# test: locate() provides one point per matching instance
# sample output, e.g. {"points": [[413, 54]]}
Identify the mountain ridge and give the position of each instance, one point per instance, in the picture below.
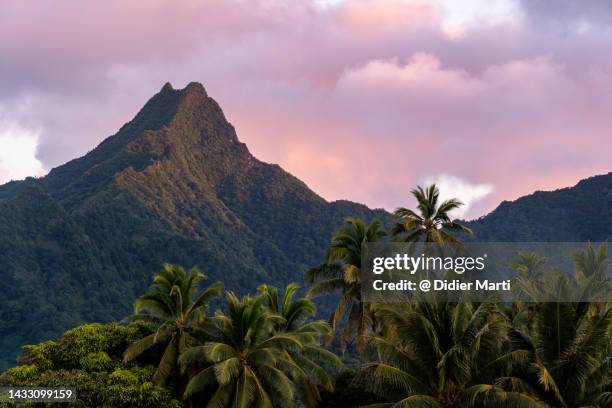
{"points": [[579, 213]]}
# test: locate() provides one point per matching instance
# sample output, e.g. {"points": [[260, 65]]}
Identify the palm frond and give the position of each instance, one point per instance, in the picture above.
{"points": [[201, 382], [206, 296], [167, 364], [138, 347], [485, 395]]}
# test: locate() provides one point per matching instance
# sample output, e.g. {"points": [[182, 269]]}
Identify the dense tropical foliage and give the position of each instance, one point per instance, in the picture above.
{"points": [[256, 357], [442, 355], [175, 309], [269, 350], [566, 358], [341, 272], [89, 358]]}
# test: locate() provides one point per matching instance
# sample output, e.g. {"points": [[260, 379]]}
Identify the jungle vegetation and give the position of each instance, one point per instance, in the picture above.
{"points": [[269, 349]]}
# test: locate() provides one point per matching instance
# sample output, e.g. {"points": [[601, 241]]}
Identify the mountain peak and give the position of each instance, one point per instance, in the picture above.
{"points": [[194, 88], [193, 97], [169, 104], [175, 124]]}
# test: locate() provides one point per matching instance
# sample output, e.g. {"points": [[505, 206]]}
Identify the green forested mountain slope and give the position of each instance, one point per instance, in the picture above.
{"points": [[574, 214], [173, 185]]}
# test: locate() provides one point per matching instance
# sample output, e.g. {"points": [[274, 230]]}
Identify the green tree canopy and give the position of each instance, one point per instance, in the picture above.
{"points": [[432, 222], [249, 363], [174, 305], [441, 355], [565, 358], [341, 272]]}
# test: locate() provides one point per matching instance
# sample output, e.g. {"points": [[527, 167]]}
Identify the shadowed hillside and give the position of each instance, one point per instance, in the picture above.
{"points": [[574, 214]]}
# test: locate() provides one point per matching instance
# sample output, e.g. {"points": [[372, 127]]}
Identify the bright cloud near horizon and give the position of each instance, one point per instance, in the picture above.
{"points": [[361, 99], [18, 154], [454, 187]]}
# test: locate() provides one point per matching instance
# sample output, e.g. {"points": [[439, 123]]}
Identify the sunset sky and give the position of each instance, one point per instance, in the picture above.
{"points": [[361, 99]]}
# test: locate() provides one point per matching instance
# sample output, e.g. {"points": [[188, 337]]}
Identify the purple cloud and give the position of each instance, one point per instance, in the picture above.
{"points": [[379, 94]]}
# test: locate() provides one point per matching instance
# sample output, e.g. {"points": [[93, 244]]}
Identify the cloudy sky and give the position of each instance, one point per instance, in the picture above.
{"points": [[361, 99]]}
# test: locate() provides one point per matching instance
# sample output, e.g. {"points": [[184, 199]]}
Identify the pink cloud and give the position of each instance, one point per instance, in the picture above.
{"points": [[384, 15], [516, 124], [367, 93]]}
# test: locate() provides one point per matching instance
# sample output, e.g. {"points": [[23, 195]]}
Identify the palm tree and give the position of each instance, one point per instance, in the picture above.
{"points": [[172, 305], [592, 264], [440, 355], [341, 272], [527, 285], [296, 315], [248, 363], [566, 358], [591, 261], [592, 273], [432, 223], [529, 263]]}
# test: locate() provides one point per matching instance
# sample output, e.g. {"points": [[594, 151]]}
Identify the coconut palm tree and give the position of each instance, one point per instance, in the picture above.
{"points": [[295, 313], [527, 285], [529, 263], [173, 304], [566, 358], [591, 267], [592, 274], [592, 261], [248, 363], [440, 355], [296, 316], [432, 223], [341, 272]]}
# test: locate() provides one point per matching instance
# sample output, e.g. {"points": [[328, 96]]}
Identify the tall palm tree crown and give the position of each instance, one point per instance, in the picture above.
{"points": [[296, 314], [440, 355], [341, 272], [432, 223], [174, 306], [564, 358], [248, 364]]}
